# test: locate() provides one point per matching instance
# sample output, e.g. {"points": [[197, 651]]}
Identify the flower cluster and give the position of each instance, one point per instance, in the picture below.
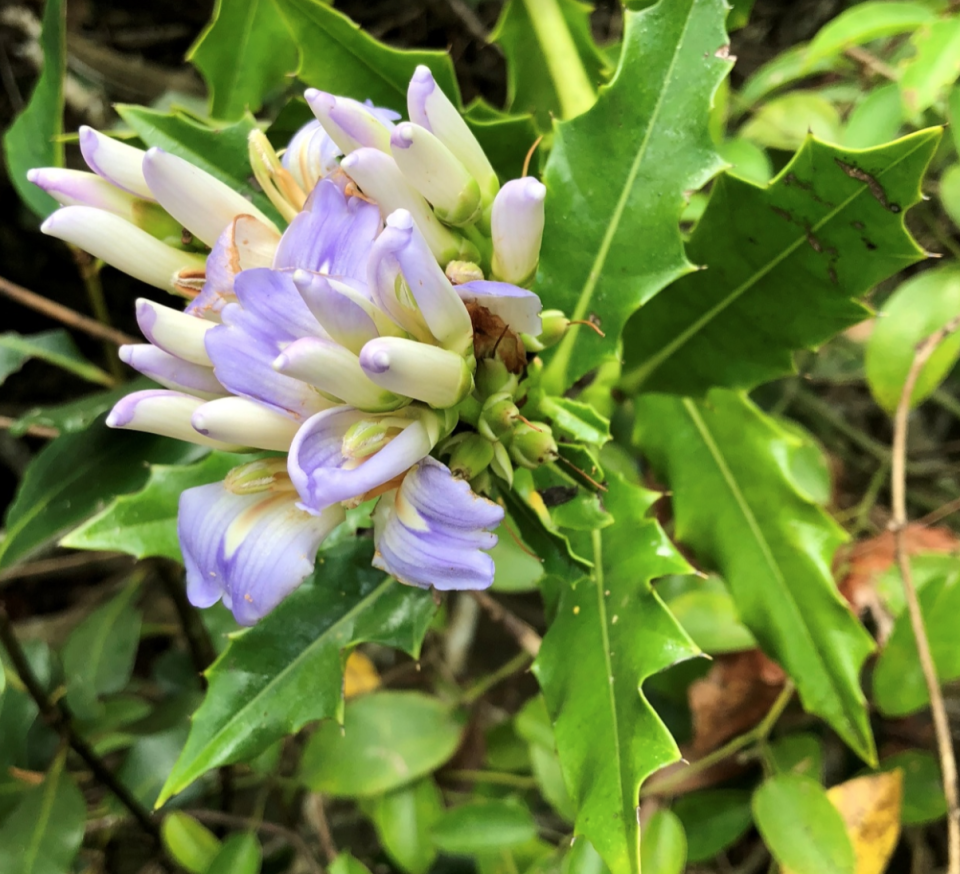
{"points": [[355, 348]]}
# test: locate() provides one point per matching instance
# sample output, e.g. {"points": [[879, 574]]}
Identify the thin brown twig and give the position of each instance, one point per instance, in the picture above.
{"points": [[525, 635], [319, 816], [61, 563], [63, 314], [898, 524], [940, 513], [32, 430], [58, 717], [871, 62], [218, 817]]}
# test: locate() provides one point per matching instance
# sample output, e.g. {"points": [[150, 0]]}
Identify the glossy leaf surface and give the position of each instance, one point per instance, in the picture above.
{"points": [[739, 508], [32, 139], [336, 56], [800, 826], [55, 347], [66, 482], [244, 53], [783, 266], [145, 523], [530, 88], [617, 174], [387, 739], [44, 832], [287, 671], [610, 633]]}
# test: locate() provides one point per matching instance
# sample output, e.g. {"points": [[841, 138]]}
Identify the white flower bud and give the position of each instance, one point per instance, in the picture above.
{"points": [[128, 248], [118, 163], [238, 420], [517, 230], [349, 123], [175, 331], [425, 373]]}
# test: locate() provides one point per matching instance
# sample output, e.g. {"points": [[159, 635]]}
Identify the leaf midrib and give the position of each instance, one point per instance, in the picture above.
{"points": [[360, 605], [235, 67], [633, 381], [565, 351], [761, 540]]}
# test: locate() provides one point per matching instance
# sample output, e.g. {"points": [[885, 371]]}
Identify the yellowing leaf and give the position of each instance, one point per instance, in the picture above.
{"points": [[359, 676], [870, 807]]}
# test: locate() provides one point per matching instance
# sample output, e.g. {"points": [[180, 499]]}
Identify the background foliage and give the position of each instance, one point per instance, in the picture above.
{"points": [[749, 219]]}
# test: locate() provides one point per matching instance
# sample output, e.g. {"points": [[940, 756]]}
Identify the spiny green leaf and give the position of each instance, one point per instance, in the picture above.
{"points": [[336, 56], [244, 53], [739, 508], [610, 633], [33, 138], [145, 523], [783, 264], [221, 152], [55, 347], [530, 87], [617, 174], [45, 831], [67, 482], [288, 670]]}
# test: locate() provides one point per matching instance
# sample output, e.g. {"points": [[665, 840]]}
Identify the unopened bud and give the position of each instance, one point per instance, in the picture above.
{"points": [[122, 245], [425, 373], [501, 464], [498, 416], [350, 124], [265, 474], [492, 377], [555, 324], [200, 202], [245, 422], [118, 163], [516, 225], [532, 444], [462, 272], [472, 455], [380, 179], [277, 182], [436, 173], [430, 108]]}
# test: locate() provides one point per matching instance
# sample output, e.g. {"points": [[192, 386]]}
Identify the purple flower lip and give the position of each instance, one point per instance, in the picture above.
{"points": [[378, 361], [402, 136]]}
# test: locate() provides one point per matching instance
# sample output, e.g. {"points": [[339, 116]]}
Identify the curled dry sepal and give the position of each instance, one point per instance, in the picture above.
{"points": [[386, 327]]}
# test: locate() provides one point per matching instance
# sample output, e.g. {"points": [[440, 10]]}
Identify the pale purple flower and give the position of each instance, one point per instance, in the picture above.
{"points": [[249, 550], [516, 225], [434, 531]]}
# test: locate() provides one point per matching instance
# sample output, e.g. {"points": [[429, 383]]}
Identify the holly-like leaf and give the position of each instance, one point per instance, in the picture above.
{"points": [[739, 507], [55, 347], [145, 523], [610, 633], [783, 266], [244, 53], [75, 475], [222, 152], [288, 670], [530, 87], [617, 174], [33, 138], [337, 56]]}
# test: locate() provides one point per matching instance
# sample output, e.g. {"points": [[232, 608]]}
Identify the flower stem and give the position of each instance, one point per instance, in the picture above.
{"points": [[566, 68]]}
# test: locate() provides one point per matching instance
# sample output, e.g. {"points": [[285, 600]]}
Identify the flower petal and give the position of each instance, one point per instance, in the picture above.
{"points": [[269, 315], [432, 531], [519, 308], [333, 234], [171, 371], [167, 413], [323, 475], [251, 550]]}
